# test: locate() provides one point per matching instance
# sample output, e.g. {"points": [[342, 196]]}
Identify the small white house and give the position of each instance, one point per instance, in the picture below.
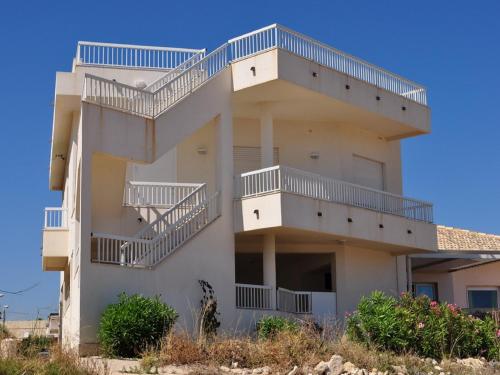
{"points": [[269, 167]]}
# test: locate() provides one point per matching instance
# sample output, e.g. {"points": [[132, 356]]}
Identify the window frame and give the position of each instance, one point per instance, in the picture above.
{"points": [[432, 284], [482, 288]]}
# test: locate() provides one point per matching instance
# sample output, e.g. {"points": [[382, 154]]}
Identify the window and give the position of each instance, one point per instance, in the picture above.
{"points": [[425, 289], [482, 298]]}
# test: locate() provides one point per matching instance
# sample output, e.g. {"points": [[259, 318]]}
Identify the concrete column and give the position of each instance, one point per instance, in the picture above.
{"points": [[224, 165], [269, 265], [402, 279], [266, 137], [409, 276]]}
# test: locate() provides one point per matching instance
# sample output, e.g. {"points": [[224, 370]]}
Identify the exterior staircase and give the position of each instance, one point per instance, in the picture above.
{"points": [[156, 241], [180, 82]]}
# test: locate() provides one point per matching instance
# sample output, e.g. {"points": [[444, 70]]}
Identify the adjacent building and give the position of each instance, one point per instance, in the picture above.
{"points": [[269, 167]]}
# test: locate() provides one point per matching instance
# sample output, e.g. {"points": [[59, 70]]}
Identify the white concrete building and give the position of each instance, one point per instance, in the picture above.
{"points": [[269, 167]]}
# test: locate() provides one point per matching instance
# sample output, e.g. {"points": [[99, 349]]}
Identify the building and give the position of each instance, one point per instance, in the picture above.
{"points": [[21, 329], [269, 167], [465, 271]]}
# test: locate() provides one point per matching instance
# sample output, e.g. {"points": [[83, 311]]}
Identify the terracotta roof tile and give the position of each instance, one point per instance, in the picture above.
{"points": [[461, 239]]}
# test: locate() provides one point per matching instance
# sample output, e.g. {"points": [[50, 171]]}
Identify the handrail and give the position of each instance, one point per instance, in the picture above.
{"points": [[55, 218], [250, 296], [117, 95], [160, 82], [295, 181], [174, 213], [196, 70], [146, 251], [293, 301], [132, 56], [190, 79], [156, 194]]}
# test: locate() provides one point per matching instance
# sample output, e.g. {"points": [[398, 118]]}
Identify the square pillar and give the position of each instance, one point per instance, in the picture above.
{"points": [[269, 265], [401, 274], [266, 137]]}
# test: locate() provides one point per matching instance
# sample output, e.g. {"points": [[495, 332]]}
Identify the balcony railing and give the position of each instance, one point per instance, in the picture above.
{"points": [[131, 56], [158, 194], [55, 218], [256, 297], [294, 302], [295, 181], [195, 68], [304, 46]]}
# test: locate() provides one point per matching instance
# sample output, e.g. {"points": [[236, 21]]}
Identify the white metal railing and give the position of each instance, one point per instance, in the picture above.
{"points": [[126, 55], [256, 297], [55, 218], [190, 79], [302, 45], [196, 69], [151, 104], [143, 252], [117, 95], [158, 194], [160, 82], [174, 214], [293, 301], [295, 181]]}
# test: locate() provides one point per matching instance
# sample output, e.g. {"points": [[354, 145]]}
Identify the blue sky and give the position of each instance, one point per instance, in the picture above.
{"points": [[453, 48]]}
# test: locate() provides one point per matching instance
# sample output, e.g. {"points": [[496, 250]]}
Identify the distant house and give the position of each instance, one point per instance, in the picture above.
{"points": [[465, 270], [53, 325], [269, 167], [24, 328]]}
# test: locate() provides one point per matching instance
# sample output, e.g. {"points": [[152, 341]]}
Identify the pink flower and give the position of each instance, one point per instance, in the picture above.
{"points": [[420, 325], [433, 304], [498, 332]]}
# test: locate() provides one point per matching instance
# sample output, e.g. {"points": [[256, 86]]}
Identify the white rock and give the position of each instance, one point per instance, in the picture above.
{"points": [[294, 371], [322, 368], [234, 365], [471, 362], [335, 365], [349, 368]]}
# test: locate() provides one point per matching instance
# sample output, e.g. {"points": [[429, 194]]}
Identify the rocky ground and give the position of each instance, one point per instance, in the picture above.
{"points": [[335, 366]]}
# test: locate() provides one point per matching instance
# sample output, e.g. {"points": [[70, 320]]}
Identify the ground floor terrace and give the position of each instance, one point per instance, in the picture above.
{"points": [[308, 275]]}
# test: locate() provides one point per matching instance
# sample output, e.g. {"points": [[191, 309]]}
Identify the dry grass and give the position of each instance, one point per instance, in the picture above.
{"points": [[57, 363], [283, 352], [304, 348]]}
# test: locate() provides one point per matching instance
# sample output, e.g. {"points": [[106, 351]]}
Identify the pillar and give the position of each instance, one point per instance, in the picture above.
{"points": [[269, 265], [266, 137]]}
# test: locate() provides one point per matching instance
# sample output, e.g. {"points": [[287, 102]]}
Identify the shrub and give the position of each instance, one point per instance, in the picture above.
{"points": [[425, 327], [4, 332], [32, 345], [134, 324], [209, 321], [269, 326]]}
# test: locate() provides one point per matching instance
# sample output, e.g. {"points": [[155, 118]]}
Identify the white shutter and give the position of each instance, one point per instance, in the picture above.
{"points": [[247, 158], [368, 172]]}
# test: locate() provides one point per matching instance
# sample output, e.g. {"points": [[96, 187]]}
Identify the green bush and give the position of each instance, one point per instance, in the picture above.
{"points": [[269, 326], [422, 326], [134, 324]]}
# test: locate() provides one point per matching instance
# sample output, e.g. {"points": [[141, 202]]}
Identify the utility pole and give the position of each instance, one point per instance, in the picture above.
{"points": [[5, 307]]}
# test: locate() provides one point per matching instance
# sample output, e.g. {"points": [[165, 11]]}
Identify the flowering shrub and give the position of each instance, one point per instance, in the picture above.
{"points": [[425, 327]]}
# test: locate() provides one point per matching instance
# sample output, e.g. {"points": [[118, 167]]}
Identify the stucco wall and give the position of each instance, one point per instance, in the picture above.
{"points": [[487, 275], [335, 143]]}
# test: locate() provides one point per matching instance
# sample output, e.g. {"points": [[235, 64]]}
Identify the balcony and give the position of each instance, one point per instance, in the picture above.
{"points": [[292, 202], [55, 239], [259, 297]]}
